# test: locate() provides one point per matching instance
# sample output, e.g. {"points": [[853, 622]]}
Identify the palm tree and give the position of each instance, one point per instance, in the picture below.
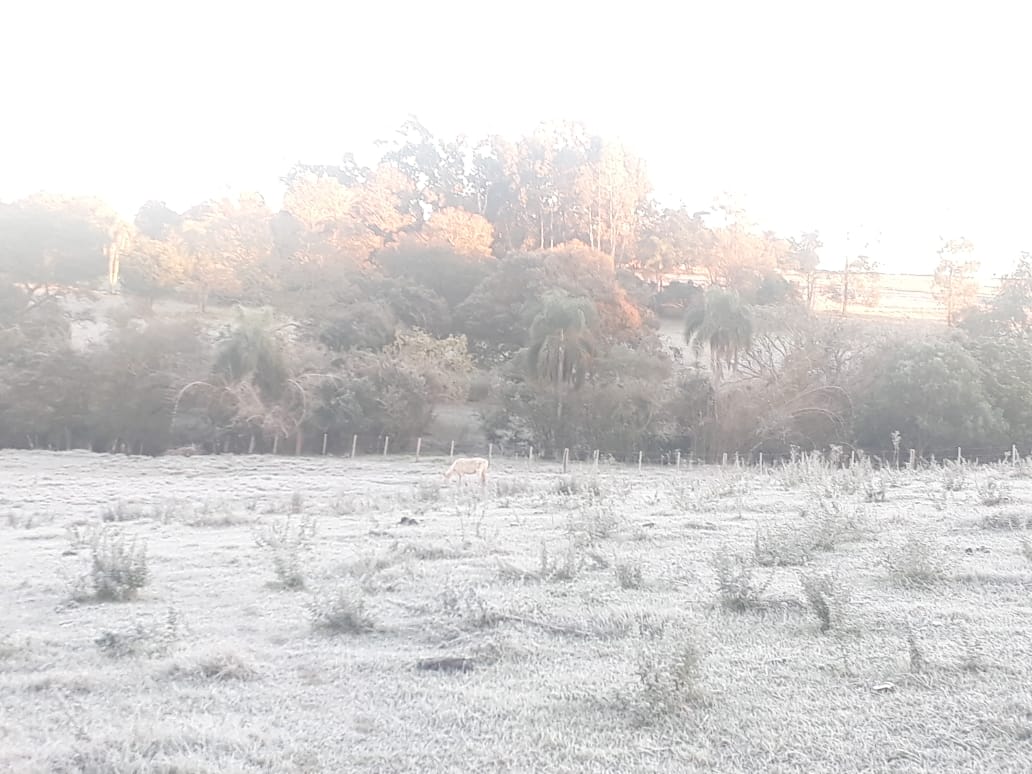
{"points": [[720, 321], [561, 343], [254, 352]]}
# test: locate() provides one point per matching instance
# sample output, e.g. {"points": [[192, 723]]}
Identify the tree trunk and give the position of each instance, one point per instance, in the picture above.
{"points": [[845, 288], [114, 268], [559, 379]]}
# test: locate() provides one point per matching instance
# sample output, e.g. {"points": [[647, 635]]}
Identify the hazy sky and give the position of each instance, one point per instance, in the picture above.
{"points": [[898, 121]]}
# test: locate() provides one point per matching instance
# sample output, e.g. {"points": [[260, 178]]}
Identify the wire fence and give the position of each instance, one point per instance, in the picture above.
{"points": [[385, 446]]}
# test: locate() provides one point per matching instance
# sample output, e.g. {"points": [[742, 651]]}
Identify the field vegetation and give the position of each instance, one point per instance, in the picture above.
{"points": [[259, 613]]}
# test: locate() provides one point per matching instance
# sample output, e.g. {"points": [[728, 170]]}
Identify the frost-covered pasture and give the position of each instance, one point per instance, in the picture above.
{"points": [[236, 613]]}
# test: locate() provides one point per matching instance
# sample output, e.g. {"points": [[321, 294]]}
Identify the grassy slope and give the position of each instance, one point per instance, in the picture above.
{"points": [[246, 684]]}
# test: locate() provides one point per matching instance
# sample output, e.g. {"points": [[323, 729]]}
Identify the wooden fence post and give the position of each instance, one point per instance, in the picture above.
{"points": [[386, 440], [275, 443], [566, 459], [596, 460], [677, 457], [641, 454], [490, 452], [325, 440], [723, 460], [913, 458], [419, 445], [354, 445], [530, 455], [960, 457], [451, 452], [761, 460]]}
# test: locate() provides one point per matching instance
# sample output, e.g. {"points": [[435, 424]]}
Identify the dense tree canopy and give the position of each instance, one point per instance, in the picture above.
{"points": [[538, 273]]}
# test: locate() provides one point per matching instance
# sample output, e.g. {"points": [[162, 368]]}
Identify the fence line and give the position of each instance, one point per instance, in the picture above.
{"points": [[418, 447]]}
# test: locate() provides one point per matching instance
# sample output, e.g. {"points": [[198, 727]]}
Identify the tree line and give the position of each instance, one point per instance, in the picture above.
{"points": [[524, 277]]}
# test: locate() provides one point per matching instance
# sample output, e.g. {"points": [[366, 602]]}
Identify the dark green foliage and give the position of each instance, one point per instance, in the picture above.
{"points": [[136, 376], [366, 325], [932, 392], [447, 274], [674, 299], [374, 395], [1006, 367]]}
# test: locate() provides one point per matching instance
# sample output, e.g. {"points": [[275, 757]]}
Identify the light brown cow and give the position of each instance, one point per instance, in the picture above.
{"points": [[468, 466]]}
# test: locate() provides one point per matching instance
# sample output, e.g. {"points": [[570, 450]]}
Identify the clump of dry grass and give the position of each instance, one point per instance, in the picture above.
{"points": [[954, 476], [223, 662], [598, 520], [17, 520], [737, 587], [1007, 518], [289, 542], [993, 491], [916, 561], [875, 489], [507, 488], [118, 566], [123, 511], [826, 596], [342, 611], [565, 566], [148, 639], [629, 575], [669, 671], [782, 545], [467, 604]]}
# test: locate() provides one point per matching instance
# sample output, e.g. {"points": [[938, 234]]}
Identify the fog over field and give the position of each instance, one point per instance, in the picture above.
{"points": [[251, 613], [729, 305]]}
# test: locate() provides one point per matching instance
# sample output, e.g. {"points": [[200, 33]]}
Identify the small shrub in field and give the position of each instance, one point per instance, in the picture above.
{"points": [[1026, 549], [599, 521], [874, 489], [469, 605], [993, 491], [828, 521], [917, 561], [511, 487], [28, 520], [812, 469], [118, 567], [731, 482], [826, 596], [782, 546], [628, 575], [668, 673], [289, 541], [297, 503], [1007, 518], [954, 476], [342, 612], [918, 662], [564, 567], [222, 663], [152, 639], [693, 496], [570, 484], [737, 587], [427, 492], [122, 511]]}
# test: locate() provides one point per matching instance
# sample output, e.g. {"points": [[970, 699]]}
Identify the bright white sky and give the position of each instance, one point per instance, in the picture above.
{"points": [[898, 121]]}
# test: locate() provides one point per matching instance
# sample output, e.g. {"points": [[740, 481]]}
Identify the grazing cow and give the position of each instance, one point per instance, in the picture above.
{"points": [[468, 466]]}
